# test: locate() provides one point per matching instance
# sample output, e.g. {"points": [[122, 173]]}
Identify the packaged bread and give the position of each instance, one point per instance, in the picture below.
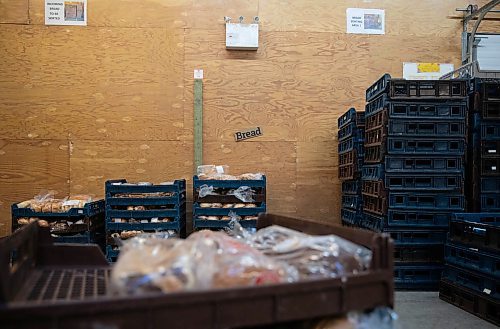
{"points": [[205, 205], [43, 223], [216, 205], [250, 205], [25, 204], [225, 218], [239, 205], [213, 218], [23, 221]]}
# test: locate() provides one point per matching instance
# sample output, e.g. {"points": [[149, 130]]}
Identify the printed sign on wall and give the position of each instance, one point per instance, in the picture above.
{"points": [[246, 134], [425, 71], [59, 12], [365, 21]]}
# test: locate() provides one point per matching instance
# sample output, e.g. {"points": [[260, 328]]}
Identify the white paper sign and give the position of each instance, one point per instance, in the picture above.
{"points": [[365, 21], [425, 71], [59, 12], [198, 74]]}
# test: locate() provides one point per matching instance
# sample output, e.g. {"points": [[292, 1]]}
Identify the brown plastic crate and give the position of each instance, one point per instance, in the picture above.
{"points": [[375, 136], [376, 205], [375, 154], [41, 264], [379, 119], [374, 188]]}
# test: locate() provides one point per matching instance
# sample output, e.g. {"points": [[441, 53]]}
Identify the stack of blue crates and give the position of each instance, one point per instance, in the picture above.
{"points": [[143, 207], [472, 272], [213, 211], [350, 137], [86, 225], [413, 176]]}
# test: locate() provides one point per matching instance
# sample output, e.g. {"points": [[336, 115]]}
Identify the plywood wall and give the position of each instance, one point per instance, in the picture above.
{"points": [[80, 105]]}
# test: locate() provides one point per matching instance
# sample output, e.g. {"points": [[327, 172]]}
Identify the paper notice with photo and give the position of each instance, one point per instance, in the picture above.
{"points": [[365, 21], [59, 12]]}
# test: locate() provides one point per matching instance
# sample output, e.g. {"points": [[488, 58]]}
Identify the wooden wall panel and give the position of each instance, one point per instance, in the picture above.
{"points": [[14, 11], [29, 167]]}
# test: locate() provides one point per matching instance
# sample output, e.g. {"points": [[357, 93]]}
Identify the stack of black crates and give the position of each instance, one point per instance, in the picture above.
{"points": [[413, 176], [472, 252], [213, 210], [350, 149], [143, 207]]}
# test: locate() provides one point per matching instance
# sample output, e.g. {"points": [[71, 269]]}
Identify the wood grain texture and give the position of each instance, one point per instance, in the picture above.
{"points": [[14, 12], [26, 169]]}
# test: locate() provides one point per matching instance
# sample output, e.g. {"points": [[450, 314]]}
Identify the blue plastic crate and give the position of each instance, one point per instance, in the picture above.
{"points": [[376, 105], [473, 259], [408, 146], [419, 110], [408, 200], [436, 164], [351, 216], [351, 187], [350, 144], [412, 218], [90, 209], [476, 281], [112, 253], [176, 225], [490, 185], [490, 131], [409, 236], [424, 182], [199, 211], [150, 201], [490, 167], [120, 186], [490, 202], [426, 128], [373, 172], [408, 254], [231, 184], [479, 230], [372, 221], [351, 116], [352, 201], [491, 110], [144, 214], [220, 224], [428, 89], [83, 238], [421, 277], [379, 87], [350, 130], [490, 148]]}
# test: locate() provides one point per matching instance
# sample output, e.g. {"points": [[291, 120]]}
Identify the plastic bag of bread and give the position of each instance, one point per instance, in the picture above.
{"points": [[244, 193], [206, 259], [318, 256]]}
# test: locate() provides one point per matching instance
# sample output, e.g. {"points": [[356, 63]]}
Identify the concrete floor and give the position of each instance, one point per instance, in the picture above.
{"points": [[424, 310]]}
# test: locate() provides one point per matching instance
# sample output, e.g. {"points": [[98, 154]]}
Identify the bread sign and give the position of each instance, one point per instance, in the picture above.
{"points": [[246, 134]]}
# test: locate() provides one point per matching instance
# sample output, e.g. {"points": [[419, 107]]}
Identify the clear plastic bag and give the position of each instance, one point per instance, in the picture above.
{"points": [[380, 318], [244, 193], [206, 190]]}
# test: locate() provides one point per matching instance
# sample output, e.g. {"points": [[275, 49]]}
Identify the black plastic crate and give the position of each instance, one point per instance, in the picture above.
{"points": [[375, 136], [379, 87], [490, 166], [176, 224], [412, 218], [199, 224], [490, 149], [373, 172], [378, 119], [412, 236], [376, 205], [89, 210], [426, 182], [490, 131], [351, 116], [352, 201], [410, 145], [373, 188], [426, 128], [115, 188], [488, 89], [490, 202], [230, 184], [372, 221], [478, 230], [351, 187], [491, 110], [473, 280], [350, 144], [351, 216], [490, 185], [375, 154], [408, 200], [414, 110], [350, 157], [424, 254], [376, 106], [428, 89], [473, 259], [199, 211], [437, 164], [419, 277], [470, 301], [350, 130]]}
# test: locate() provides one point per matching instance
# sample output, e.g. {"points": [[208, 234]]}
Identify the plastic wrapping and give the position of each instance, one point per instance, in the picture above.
{"points": [[204, 260], [313, 256], [205, 190], [45, 202], [379, 318], [222, 173], [244, 193]]}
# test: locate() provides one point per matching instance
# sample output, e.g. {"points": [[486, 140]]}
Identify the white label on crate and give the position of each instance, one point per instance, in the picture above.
{"points": [[365, 21], [60, 12], [493, 167], [492, 151], [487, 291], [144, 221], [80, 211], [71, 203]]}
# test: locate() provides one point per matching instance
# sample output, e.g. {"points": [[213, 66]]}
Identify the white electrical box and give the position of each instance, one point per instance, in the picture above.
{"points": [[242, 36]]}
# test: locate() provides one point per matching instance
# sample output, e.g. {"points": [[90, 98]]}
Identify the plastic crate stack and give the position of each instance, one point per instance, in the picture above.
{"points": [[413, 176], [213, 210], [472, 271], [78, 225], [350, 137], [135, 208], [486, 145]]}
